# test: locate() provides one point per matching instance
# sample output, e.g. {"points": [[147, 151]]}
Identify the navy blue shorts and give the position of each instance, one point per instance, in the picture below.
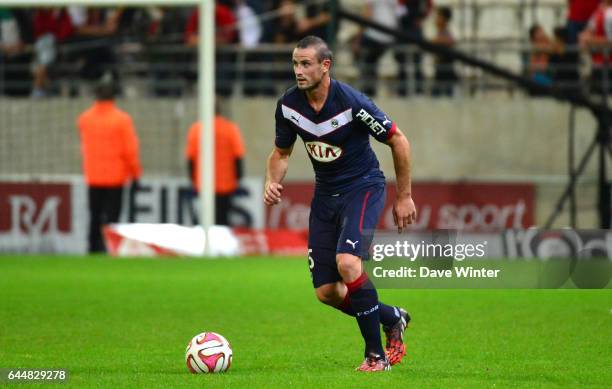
{"points": [[344, 223]]}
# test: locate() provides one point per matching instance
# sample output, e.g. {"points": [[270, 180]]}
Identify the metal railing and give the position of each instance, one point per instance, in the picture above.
{"points": [[170, 70]]}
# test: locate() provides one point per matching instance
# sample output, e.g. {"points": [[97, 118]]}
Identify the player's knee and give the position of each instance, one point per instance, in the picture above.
{"points": [[328, 294], [349, 266]]}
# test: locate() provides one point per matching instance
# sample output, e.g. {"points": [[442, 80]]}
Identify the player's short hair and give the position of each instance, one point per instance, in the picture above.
{"points": [[323, 51]]}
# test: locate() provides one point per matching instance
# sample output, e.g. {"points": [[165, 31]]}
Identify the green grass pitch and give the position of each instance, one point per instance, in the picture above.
{"points": [[125, 323]]}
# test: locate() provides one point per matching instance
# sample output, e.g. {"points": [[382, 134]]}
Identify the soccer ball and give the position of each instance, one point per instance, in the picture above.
{"points": [[208, 352]]}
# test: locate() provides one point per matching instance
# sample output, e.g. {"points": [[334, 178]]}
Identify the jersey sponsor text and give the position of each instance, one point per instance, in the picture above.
{"points": [[371, 122], [323, 152]]}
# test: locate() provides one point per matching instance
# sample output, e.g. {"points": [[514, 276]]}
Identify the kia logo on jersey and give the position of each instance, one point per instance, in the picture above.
{"points": [[323, 152]]}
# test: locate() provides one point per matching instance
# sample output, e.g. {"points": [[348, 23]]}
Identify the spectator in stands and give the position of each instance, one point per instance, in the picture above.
{"points": [[229, 152], [166, 26], [373, 43], [278, 27], [51, 27], [250, 32], [578, 14], [249, 27], [109, 146], [10, 36], [283, 31], [225, 34], [563, 62], [445, 76], [541, 47], [13, 56], [92, 41], [265, 9], [317, 21], [413, 15], [597, 37]]}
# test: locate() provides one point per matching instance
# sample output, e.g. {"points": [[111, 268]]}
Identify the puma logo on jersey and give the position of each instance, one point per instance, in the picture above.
{"points": [[323, 152], [352, 243], [371, 122]]}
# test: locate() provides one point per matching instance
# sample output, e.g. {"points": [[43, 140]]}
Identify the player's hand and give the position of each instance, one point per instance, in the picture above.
{"points": [[272, 193], [404, 212]]}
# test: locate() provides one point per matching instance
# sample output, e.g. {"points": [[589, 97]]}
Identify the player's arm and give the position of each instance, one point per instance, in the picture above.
{"points": [[276, 168], [404, 210]]}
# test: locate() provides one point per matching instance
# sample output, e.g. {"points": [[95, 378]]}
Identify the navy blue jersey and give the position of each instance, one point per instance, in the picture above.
{"points": [[337, 138]]}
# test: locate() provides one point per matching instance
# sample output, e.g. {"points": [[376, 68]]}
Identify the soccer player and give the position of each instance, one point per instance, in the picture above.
{"points": [[335, 122]]}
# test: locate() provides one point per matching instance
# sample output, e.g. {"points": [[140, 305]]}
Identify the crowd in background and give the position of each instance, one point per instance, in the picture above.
{"points": [[86, 42], [87, 38], [556, 61]]}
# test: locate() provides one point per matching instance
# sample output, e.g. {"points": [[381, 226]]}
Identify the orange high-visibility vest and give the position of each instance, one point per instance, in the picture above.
{"points": [[109, 146], [228, 148]]}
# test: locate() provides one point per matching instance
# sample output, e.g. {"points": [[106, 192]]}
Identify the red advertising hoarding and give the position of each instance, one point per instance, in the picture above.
{"points": [[35, 208], [472, 207]]}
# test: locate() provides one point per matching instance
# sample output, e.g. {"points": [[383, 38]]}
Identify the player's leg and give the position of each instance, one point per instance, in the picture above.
{"points": [[395, 348], [322, 251], [322, 242], [325, 277], [360, 217], [329, 285], [332, 294], [364, 301], [336, 295]]}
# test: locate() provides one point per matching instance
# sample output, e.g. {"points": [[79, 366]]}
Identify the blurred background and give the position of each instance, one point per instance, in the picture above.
{"points": [[487, 155]]}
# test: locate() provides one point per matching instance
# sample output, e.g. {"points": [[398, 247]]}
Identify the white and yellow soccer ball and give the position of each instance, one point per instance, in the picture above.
{"points": [[208, 352]]}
